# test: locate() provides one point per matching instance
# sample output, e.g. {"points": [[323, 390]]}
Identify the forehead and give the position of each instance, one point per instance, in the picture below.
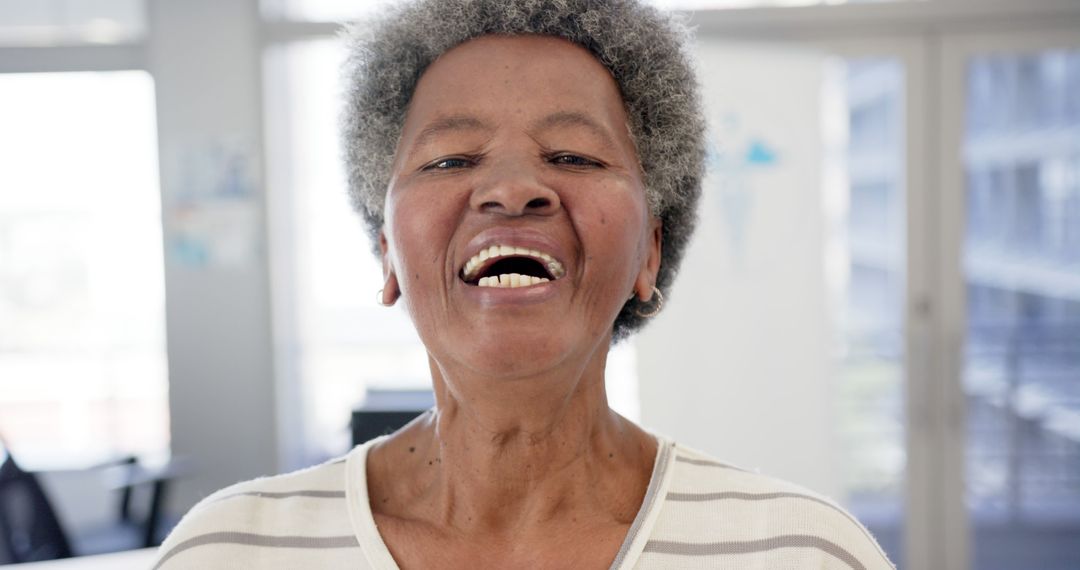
{"points": [[507, 79]]}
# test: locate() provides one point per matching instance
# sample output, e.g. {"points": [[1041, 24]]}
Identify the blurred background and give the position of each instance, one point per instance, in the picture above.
{"points": [[882, 301]]}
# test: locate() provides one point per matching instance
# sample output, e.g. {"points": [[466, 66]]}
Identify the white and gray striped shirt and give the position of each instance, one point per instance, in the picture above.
{"points": [[697, 513]]}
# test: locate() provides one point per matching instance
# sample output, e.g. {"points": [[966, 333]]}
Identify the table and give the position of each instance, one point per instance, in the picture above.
{"points": [[140, 559]]}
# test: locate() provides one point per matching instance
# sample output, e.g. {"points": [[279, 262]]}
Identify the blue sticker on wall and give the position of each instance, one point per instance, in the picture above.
{"points": [[734, 161]]}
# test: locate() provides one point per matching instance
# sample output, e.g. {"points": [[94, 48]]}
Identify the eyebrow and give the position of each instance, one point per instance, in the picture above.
{"points": [[457, 123], [574, 119], [450, 123]]}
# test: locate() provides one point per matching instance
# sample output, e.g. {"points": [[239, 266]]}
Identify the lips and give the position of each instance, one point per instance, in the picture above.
{"points": [[510, 266]]}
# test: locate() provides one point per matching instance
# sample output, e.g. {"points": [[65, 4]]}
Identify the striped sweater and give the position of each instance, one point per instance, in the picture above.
{"points": [[697, 513]]}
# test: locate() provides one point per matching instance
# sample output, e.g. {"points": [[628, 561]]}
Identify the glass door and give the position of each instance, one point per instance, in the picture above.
{"points": [[1020, 266]]}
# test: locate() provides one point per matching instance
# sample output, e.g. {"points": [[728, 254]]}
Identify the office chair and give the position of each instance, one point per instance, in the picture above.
{"points": [[29, 528]]}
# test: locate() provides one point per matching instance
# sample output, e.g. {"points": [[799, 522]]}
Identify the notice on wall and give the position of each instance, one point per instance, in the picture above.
{"points": [[211, 213]]}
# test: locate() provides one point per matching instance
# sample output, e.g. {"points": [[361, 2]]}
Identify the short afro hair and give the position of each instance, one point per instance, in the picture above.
{"points": [[645, 49]]}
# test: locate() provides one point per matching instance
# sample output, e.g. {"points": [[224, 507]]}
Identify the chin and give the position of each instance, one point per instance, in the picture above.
{"points": [[520, 351]]}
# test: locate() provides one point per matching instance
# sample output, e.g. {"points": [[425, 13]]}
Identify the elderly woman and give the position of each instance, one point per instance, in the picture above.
{"points": [[529, 172]]}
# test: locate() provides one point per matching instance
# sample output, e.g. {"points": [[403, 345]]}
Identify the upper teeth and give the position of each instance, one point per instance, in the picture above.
{"points": [[495, 251]]}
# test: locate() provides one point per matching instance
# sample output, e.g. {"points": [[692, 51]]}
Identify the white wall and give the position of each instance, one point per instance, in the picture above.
{"points": [[737, 364], [205, 57]]}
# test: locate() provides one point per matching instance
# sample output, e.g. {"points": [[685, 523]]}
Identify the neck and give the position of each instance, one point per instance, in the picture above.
{"points": [[506, 454]]}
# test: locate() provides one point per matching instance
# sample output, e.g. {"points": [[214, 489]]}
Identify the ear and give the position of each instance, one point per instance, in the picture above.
{"points": [[390, 291], [646, 277]]}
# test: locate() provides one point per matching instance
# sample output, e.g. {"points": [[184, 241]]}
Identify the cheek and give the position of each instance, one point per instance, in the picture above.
{"points": [[614, 233], [419, 230], [620, 217]]}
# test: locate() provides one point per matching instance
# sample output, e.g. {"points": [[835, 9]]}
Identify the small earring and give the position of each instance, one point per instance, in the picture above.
{"points": [[379, 299], [657, 300]]}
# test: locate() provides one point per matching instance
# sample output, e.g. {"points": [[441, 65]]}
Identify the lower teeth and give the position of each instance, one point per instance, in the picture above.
{"points": [[511, 280]]}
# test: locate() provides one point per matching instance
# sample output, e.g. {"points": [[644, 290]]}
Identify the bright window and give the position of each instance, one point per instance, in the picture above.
{"points": [[866, 262], [82, 348]]}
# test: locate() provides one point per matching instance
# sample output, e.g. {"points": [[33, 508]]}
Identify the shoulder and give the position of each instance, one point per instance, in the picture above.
{"points": [[712, 508], [304, 509], [269, 502]]}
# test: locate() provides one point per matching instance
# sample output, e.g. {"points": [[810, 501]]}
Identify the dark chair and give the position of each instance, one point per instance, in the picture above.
{"points": [[29, 528], [369, 424], [31, 531], [387, 410]]}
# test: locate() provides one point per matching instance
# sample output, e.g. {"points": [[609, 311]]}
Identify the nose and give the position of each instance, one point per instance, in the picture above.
{"points": [[514, 190]]}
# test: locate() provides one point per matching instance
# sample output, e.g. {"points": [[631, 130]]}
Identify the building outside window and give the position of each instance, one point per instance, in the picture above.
{"points": [[1022, 265]]}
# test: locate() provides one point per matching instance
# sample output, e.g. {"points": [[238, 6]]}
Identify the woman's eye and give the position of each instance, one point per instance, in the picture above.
{"points": [[448, 164], [573, 160]]}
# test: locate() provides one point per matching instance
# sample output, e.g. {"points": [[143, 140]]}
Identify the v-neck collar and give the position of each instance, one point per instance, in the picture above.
{"points": [[379, 557]]}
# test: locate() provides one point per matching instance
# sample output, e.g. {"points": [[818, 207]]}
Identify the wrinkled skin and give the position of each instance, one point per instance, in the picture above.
{"points": [[516, 140]]}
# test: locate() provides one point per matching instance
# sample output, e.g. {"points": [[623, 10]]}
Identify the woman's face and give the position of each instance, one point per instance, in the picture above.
{"points": [[516, 159]]}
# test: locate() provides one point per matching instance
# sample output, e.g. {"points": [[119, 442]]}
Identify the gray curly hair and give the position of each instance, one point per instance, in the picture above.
{"points": [[643, 48]]}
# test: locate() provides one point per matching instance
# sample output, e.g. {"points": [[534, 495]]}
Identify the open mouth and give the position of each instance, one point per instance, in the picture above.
{"points": [[510, 266]]}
